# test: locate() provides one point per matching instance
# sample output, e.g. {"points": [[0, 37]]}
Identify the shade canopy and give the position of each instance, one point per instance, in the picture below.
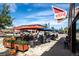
{"points": [[46, 29], [28, 27]]}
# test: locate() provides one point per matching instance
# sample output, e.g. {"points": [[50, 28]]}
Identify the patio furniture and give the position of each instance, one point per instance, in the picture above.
{"points": [[4, 52], [12, 52]]}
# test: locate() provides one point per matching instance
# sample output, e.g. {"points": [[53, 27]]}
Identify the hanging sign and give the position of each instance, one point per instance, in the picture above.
{"points": [[59, 14]]}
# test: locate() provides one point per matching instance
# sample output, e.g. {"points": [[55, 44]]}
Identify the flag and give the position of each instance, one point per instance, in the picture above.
{"points": [[59, 14]]}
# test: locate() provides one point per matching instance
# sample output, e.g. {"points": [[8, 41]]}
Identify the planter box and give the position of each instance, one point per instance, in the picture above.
{"points": [[7, 45], [15, 46], [22, 47], [12, 52]]}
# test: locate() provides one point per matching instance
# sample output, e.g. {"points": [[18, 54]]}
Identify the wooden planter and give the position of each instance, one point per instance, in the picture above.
{"points": [[7, 45], [15, 46], [22, 47], [12, 52]]}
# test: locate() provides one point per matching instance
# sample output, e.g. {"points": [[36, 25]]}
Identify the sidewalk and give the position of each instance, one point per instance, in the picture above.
{"points": [[3, 51], [54, 48], [38, 50], [58, 50]]}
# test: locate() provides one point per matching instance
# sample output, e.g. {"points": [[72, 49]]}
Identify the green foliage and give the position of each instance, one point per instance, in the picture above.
{"points": [[22, 42], [45, 25], [5, 18], [53, 28], [66, 30], [11, 41]]}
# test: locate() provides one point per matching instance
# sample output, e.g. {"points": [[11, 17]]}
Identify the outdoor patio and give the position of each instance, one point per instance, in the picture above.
{"points": [[53, 48]]}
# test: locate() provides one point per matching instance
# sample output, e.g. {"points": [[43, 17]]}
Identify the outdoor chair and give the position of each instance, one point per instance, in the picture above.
{"points": [[31, 41], [53, 37], [37, 42], [41, 39], [56, 35], [48, 40]]}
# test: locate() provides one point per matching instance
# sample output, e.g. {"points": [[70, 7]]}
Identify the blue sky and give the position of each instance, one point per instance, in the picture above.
{"points": [[36, 13]]}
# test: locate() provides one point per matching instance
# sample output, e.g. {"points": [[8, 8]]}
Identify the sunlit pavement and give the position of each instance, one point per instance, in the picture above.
{"points": [[44, 49], [39, 50], [2, 49]]}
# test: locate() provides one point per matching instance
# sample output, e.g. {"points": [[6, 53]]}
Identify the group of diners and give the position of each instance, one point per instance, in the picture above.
{"points": [[38, 37]]}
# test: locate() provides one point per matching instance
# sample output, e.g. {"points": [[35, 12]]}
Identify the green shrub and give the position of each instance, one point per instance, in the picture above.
{"points": [[11, 41], [22, 42]]}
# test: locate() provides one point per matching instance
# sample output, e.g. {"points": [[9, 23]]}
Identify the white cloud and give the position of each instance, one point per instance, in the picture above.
{"points": [[52, 22], [62, 5], [40, 4], [26, 3], [44, 20], [48, 12], [41, 19], [13, 7], [40, 14]]}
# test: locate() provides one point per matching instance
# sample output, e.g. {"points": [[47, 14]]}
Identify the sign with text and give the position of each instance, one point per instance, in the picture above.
{"points": [[59, 14]]}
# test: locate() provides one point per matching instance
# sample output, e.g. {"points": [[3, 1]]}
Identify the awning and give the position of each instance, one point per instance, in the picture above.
{"points": [[26, 27], [45, 29]]}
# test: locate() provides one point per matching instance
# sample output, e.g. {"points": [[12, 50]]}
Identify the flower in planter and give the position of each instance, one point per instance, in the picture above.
{"points": [[10, 43], [5, 42], [22, 42], [22, 45]]}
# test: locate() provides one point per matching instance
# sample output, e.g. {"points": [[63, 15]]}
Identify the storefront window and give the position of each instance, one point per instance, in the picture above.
{"points": [[77, 29], [77, 22]]}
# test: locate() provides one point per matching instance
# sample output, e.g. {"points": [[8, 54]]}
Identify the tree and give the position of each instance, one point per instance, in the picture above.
{"points": [[45, 25], [65, 30], [5, 18], [61, 30], [53, 28]]}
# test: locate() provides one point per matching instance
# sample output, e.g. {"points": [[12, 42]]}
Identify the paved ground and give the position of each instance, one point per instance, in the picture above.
{"points": [[3, 51], [54, 48], [58, 50]]}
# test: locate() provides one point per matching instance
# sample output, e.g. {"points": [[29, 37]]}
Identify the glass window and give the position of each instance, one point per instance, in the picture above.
{"points": [[77, 22], [77, 29]]}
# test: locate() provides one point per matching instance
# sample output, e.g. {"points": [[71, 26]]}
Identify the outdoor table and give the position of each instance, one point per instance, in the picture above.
{"points": [[4, 51]]}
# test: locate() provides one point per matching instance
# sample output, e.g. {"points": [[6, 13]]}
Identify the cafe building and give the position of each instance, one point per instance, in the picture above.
{"points": [[33, 27]]}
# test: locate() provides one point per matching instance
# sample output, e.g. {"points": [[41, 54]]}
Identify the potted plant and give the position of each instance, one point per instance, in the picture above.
{"points": [[5, 42], [12, 42], [9, 44], [22, 45]]}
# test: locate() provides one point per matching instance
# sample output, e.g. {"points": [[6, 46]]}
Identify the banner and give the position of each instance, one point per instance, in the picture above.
{"points": [[59, 14]]}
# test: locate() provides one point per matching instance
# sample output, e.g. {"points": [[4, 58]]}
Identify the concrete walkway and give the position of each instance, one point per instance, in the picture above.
{"points": [[58, 50], [53, 48], [3, 51]]}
